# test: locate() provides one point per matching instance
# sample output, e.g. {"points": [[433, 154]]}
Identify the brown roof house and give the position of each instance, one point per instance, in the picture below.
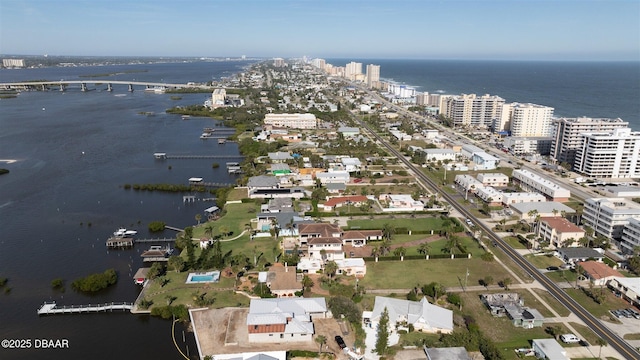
{"points": [[283, 281], [598, 272]]}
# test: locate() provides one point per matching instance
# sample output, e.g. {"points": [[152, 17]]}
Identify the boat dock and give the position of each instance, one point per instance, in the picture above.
{"points": [[52, 308], [163, 156], [173, 228], [154, 240], [119, 242]]}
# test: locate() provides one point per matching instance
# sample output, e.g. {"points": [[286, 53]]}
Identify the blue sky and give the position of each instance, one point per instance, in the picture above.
{"points": [[420, 29]]}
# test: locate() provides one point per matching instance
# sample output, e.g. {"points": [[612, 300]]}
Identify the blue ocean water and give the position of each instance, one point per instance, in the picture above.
{"points": [[573, 89]]}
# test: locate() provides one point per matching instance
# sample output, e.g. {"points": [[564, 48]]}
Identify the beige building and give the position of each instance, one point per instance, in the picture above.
{"points": [[470, 109], [373, 75], [525, 119], [558, 231], [493, 179], [292, 121], [217, 97]]}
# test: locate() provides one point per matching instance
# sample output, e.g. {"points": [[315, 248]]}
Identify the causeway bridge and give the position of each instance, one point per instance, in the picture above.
{"points": [[63, 84]]}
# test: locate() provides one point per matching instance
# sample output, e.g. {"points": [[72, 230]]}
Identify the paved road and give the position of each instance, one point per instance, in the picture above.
{"points": [[617, 343]]}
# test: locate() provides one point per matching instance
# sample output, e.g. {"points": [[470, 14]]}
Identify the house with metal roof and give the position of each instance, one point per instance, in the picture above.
{"points": [[549, 349], [284, 319], [512, 305], [423, 315], [576, 254]]}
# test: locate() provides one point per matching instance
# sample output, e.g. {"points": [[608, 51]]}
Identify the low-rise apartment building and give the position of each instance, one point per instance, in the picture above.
{"points": [[534, 182], [559, 232], [493, 179], [630, 236]]}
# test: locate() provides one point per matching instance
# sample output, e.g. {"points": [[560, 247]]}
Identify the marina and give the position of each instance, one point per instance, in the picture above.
{"points": [[52, 308]]}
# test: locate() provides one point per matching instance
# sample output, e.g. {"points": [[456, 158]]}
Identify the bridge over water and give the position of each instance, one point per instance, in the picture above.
{"points": [[63, 84]]}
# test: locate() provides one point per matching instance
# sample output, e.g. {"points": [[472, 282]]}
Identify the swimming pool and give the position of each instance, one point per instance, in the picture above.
{"points": [[205, 277]]}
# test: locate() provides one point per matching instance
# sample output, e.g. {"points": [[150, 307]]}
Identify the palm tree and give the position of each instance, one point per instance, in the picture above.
{"points": [[452, 243], [424, 249], [401, 251], [388, 231], [198, 218], [321, 340], [601, 342], [208, 230], [330, 268]]}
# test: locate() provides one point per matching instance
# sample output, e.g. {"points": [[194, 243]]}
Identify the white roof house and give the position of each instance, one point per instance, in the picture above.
{"points": [[549, 349], [468, 182], [485, 161], [340, 177], [522, 197], [490, 195], [629, 287], [439, 154], [351, 164], [421, 314], [544, 209], [493, 179], [284, 319]]}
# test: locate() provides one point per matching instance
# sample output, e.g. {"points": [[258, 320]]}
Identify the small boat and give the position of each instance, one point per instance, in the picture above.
{"points": [[208, 130], [206, 135], [122, 232]]}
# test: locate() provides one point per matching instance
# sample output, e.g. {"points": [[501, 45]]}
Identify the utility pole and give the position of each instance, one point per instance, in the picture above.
{"points": [[465, 279]]}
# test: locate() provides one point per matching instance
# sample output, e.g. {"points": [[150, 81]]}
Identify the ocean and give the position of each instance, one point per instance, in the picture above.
{"points": [[76, 150], [573, 89]]}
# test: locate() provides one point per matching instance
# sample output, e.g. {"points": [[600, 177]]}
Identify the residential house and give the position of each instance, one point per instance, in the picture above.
{"points": [[424, 317], [351, 164], [283, 281], [279, 157], [542, 209], [325, 248], [314, 230], [336, 188], [493, 179], [335, 202], [549, 349], [449, 353], [280, 169], [598, 273], [359, 238], [577, 254], [336, 177], [512, 305], [262, 182], [400, 203], [352, 266], [284, 320]]}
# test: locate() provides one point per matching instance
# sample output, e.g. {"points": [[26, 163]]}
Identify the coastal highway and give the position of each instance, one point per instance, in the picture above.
{"points": [[591, 321]]}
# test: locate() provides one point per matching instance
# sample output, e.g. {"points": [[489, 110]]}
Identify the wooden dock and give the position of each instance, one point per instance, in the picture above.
{"points": [[203, 157], [52, 308], [173, 228], [119, 242], [154, 240]]}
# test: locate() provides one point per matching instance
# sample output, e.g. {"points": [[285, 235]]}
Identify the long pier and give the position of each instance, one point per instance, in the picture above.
{"points": [[52, 308], [203, 157], [154, 240]]}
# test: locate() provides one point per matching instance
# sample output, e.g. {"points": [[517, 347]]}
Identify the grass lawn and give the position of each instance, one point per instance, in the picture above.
{"points": [[393, 274], [562, 275], [585, 333], [471, 245], [543, 261], [600, 311], [551, 301], [237, 194], [183, 293], [414, 224], [514, 242], [509, 263], [236, 216], [500, 329], [634, 336]]}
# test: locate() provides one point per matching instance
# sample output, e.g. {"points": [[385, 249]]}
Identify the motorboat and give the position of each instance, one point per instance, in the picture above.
{"points": [[122, 232]]}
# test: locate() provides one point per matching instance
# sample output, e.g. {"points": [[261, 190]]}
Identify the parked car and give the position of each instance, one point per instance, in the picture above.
{"points": [[569, 338], [340, 342], [553, 268]]}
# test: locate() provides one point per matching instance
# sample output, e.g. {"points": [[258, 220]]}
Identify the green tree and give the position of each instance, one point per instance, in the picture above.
{"points": [[388, 231], [506, 282], [382, 335], [176, 263], [424, 249], [601, 342], [208, 230], [321, 340], [488, 280], [307, 283], [198, 218], [330, 269]]}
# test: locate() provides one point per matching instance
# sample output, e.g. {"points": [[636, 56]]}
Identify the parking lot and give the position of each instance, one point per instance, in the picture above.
{"points": [[628, 313]]}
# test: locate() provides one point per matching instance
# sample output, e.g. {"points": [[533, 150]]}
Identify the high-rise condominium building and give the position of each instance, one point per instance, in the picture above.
{"points": [[278, 62], [13, 63], [469, 109], [319, 63], [373, 75], [525, 120], [352, 70], [609, 216], [609, 155], [427, 99], [567, 138]]}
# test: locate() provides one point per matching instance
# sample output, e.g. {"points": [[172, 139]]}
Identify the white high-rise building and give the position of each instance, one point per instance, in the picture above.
{"points": [[525, 120], [609, 155], [427, 99], [319, 63], [278, 62], [567, 138], [373, 75], [471, 110], [609, 216], [352, 70]]}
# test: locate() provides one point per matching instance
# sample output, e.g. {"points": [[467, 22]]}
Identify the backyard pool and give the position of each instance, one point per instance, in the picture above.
{"points": [[205, 277]]}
